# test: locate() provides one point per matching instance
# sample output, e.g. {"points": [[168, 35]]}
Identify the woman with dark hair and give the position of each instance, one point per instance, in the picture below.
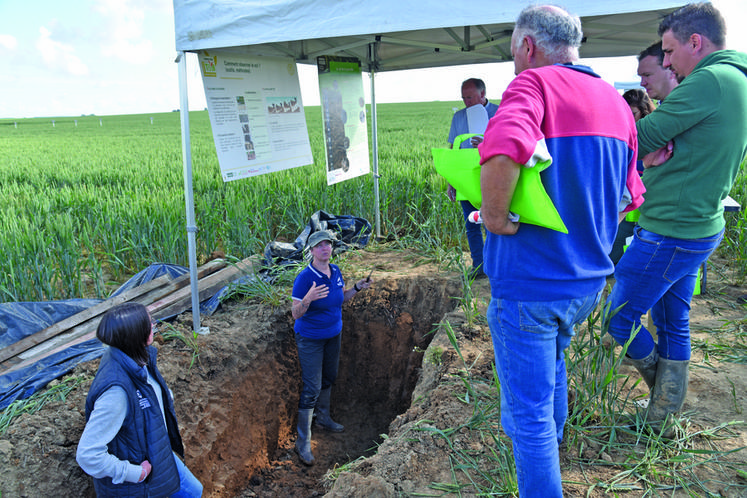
{"points": [[131, 444], [639, 102]]}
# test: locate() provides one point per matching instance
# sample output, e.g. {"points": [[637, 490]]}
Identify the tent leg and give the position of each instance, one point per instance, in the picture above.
{"points": [[188, 192], [375, 139]]}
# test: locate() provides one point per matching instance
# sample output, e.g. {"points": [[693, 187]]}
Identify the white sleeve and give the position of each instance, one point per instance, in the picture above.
{"points": [[105, 421]]}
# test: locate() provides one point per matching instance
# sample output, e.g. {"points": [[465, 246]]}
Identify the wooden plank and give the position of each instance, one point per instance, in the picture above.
{"points": [[87, 330], [69, 322], [84, 335], [144, 294], [181, 300], [180, 282]]}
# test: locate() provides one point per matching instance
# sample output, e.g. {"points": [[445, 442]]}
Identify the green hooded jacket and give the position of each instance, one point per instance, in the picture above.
{"points": [[706, 117]]}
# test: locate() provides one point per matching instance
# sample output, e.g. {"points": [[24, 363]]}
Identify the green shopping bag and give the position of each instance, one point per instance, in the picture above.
{"points": [[461, 168]]}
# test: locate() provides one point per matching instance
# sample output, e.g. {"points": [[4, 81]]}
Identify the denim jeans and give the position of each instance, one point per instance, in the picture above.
{"points": [[658, 273], [529, 339], [319, 359], [190, 486], [474, 234]]}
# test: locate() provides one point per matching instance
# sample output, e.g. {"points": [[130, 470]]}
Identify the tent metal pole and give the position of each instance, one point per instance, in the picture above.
{"points": [[181, 59], [375, 138]]}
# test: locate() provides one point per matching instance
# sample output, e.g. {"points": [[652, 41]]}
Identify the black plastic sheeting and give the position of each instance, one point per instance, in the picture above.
{"points": [[19, 320], [351, 232]]}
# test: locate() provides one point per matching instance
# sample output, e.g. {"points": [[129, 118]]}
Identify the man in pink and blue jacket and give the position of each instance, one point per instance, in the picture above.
{"points": [[544, 282]]}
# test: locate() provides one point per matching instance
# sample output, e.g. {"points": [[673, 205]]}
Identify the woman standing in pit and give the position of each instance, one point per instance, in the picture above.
{"points": [[131, 444], [318, 294]]}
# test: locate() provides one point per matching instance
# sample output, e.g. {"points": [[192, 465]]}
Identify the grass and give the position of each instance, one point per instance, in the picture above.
{"points": [[56, 391], [605, 441], [82, 208], [169, 332]]}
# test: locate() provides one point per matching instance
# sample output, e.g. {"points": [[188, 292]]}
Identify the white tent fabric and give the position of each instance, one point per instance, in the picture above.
{"points": [[409, 34], [387, 35]]}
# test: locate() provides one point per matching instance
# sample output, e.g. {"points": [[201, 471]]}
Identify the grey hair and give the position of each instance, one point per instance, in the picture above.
{"points": [[552, 29]]}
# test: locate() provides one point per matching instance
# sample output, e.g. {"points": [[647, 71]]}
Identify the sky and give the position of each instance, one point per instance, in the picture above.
{"points": [[103, 57]]}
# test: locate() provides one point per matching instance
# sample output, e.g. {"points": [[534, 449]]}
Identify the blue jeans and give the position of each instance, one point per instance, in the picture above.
{"points": [[658, 273], [190, 486], [474, 234], [529, 339], [319, 359]]}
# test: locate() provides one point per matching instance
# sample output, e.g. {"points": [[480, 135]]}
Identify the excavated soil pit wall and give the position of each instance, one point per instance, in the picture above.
{"points": [[385, 331]]}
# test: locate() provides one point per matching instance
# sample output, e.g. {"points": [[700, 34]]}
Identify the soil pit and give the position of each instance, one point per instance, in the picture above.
{"points": [[385, 332], [237, 404]]}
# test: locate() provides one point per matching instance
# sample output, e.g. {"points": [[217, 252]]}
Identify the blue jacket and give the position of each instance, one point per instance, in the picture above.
{"points": [[143, 435], [589, 132]]}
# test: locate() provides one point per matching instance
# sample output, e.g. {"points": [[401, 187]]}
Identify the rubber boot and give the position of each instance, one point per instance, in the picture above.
{"points": [[303, 442], [323, 419], [668, 395], [647, 367]]}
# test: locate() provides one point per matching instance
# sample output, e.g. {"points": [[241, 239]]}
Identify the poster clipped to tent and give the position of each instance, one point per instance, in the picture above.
{"points": [[256, 113], [344, 117]]}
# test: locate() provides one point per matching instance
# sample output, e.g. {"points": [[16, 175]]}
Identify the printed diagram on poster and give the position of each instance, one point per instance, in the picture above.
{"points": [[256, 113], [344, 117]]}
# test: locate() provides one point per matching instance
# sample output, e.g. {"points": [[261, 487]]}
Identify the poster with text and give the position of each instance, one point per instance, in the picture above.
{"points": [[256, 113], [344, 117]]}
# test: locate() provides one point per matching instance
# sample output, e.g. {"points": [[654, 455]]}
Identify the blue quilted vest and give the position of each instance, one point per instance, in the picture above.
{"points": [[143, 435]]}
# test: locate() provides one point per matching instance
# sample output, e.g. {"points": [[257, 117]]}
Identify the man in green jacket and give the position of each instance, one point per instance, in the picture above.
{"points": [[691, 146]]}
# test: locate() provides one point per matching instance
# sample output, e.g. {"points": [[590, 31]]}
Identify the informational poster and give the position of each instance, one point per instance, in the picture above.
{"points": [[256, 113], [344, 117]]}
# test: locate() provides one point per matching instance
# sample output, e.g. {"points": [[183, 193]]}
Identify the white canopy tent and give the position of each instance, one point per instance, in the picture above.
{"points": [[386, 35]]}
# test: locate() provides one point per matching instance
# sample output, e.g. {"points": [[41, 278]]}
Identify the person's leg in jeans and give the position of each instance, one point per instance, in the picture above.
{"points": [[657, 273], [190, 486], [311, 359], [528, 340], [331, 361], [671, 316], [474, 235]]}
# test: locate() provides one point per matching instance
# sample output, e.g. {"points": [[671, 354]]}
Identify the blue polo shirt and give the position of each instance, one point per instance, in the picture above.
{"points": [[323, 319]]}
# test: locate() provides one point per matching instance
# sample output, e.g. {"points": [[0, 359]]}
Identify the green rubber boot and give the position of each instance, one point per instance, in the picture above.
{"points": [[668, 395]]}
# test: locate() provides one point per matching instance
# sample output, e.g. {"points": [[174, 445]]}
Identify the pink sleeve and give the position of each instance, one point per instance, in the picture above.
{"points": [[634, 186]]}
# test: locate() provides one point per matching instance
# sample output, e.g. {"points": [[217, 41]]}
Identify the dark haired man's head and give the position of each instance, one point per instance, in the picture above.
{"points": [[689, 34], [657, 80], [701, 18], [653, 50]]}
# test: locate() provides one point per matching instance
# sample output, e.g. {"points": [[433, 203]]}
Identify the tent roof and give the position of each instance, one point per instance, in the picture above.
{"points": [[411, 34]]}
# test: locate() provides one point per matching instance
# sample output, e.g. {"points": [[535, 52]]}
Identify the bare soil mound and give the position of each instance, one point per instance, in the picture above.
{"points": [[399, 374]]}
